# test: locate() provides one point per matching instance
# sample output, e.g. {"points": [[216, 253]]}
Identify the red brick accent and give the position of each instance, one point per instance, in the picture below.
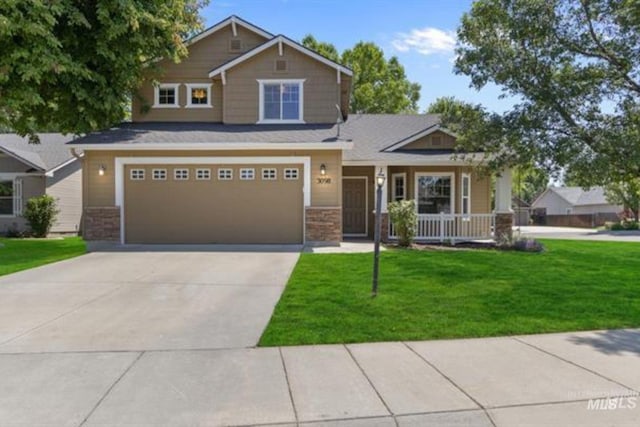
{"points": [[504, 224], [102, 223], [323, 224]]}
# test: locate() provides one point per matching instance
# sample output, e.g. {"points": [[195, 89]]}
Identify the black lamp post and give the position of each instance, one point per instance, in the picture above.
{"points": [[380, 178]]}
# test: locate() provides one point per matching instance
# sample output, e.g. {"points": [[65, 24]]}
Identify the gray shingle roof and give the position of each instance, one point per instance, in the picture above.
{"points": [[369, 133], [51, 152], [577, 196]]}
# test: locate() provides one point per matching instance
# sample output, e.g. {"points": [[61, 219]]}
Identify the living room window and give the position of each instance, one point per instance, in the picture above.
{"points": [[166, 95], [465, 194], [7, 198], [281, 101], [434, 193], [198, 95]]}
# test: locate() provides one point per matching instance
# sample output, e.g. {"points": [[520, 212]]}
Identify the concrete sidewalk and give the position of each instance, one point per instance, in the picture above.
{"points": [[571, 379], [572, 233]]}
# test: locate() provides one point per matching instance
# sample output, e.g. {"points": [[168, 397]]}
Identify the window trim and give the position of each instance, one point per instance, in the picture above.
{"points": [[156, 95], [452, 196], [262, 82], [199, 170], [144, 174], [275, 174], [294, 170], [466, 176], [230, 170], [402, 175], [253, 174], [177, 170], [207, 87], [153, 174]]}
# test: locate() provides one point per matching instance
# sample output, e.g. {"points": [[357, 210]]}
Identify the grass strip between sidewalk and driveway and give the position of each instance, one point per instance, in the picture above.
{"points": [[573, 285], [22, 254]]}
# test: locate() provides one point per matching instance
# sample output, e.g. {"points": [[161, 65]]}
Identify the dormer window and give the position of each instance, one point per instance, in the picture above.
{"points": [[281, 101], [166, 95], [198, 95]]}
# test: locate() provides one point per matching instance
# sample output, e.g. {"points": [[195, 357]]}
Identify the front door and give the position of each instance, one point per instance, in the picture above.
{"points": [[354, 206]]}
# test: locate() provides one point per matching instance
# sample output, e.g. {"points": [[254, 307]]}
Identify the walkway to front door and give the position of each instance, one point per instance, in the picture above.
{"points": [[354, 206]]}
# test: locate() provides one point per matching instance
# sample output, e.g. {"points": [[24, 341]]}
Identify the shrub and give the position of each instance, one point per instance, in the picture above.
{"points": [[41, 214], [622, 225], [404, 218], [521, 244]]}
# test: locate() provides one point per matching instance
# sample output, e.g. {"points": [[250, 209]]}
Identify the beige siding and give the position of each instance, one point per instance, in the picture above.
{"points": [[430, 142], [66, 187], [32, 186], [100, 190], [321, 90], [203, 56]]}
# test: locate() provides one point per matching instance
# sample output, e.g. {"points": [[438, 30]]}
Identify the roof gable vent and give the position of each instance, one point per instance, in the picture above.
{"points": [[235, 45], [281, 65]]}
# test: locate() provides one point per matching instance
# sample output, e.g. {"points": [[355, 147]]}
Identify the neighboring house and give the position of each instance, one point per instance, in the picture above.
{"points": [[585, 207], [521, 210], [250, 140], [30, 170]]}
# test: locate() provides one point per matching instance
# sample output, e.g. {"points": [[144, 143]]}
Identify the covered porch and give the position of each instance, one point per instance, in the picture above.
{"points": [[453, 201]]}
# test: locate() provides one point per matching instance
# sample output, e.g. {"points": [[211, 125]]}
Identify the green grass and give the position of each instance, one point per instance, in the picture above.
{"points": [[21, 254], [573, 285]]}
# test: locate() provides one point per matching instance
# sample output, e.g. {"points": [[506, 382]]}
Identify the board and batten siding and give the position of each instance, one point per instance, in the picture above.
{"points": [[204, 55], [321, 90], [66, 187], [9, 164], [447, 142], [100, 190]]}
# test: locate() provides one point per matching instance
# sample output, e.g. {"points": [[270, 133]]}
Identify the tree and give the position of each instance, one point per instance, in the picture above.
{"points": [[529, 181], [379, 85], [626, 193], [574, 65], [71, 65]]}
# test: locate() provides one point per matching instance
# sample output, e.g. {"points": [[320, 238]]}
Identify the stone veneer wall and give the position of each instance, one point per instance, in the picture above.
{"points": [[323, 224], [504, 227], [102, 223]]}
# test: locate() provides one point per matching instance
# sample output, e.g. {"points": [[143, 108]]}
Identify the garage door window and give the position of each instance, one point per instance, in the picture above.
{"points": [[203, 174], [291, 173], [247, 174], [225, 174], [137, 174], [159, 174], [270, 174], [181, 174]]}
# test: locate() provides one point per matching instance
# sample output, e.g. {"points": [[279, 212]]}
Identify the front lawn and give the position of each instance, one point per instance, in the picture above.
{"points": [[21, 254], [574, 285]]}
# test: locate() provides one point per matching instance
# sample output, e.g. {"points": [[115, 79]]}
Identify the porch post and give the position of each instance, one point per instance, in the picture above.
{"points": [[504, 213]]}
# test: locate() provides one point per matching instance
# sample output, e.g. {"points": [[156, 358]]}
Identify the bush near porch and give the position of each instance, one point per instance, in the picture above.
{"points": [[573, 285]]}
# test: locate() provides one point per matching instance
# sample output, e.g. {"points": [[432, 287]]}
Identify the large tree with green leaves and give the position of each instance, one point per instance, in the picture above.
{"points": [[379, 85], [574, 67], [72, 65]]}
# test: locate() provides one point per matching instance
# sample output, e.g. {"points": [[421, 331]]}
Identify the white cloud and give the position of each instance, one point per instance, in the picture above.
{"points": [[426, 41]]}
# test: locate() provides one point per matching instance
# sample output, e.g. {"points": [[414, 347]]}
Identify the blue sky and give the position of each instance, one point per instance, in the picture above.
{"points": [[421, 33]]}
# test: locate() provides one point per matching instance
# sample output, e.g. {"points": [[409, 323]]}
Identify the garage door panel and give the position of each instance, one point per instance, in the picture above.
{"points": [[214, 211]]}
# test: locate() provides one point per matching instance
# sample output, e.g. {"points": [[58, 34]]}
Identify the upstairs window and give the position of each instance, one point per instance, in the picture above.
{"points": [[198, 95], [166, 95], [281, 101]]}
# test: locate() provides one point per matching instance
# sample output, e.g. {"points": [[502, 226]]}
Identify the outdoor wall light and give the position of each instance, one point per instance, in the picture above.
{"points": [[323, 169], [101, 170], [380, 178]]}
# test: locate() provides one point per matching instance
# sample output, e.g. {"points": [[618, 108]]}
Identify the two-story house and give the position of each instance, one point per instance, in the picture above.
{"points": [[250, 140]]}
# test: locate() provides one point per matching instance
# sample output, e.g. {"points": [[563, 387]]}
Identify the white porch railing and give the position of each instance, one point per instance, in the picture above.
{"points": [[452, 227]]}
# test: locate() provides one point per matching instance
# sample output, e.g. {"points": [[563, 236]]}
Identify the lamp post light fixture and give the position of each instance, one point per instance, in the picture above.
{"points": [[323, 169], [101, 170], [380, 179]]}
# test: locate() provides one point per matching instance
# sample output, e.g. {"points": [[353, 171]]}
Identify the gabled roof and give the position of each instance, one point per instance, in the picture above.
{"points": [[232, 20], [276, 40], [417, 136], [577, 196], [47, 156]]}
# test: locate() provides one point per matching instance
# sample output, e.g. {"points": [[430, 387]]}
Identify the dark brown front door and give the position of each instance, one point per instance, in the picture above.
{"points": [[354, 206]]}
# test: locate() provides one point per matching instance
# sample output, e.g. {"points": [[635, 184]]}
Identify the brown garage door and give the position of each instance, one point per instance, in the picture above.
{"points": [[213, 204]]}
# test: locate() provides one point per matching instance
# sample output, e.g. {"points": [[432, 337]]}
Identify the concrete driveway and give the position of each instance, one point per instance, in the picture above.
{"points": [[135, 301]]}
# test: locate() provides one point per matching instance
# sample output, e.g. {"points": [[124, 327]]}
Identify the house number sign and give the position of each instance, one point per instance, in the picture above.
{"points": [[324, 180]]}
